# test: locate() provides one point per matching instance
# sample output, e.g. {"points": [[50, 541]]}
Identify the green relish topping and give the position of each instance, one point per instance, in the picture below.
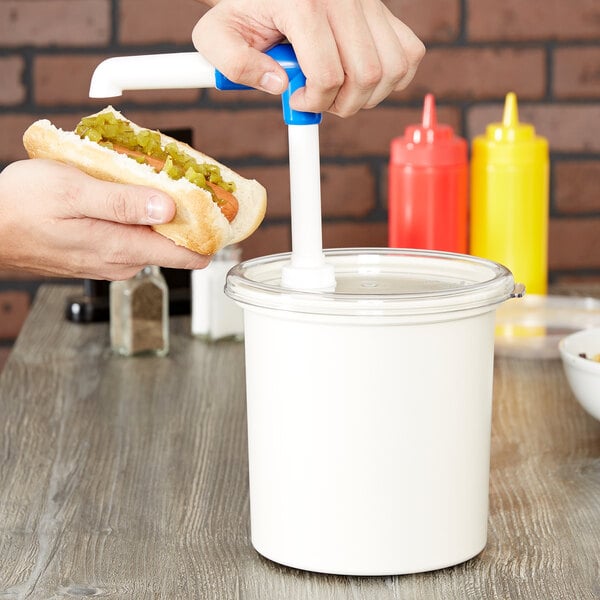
{"points": [[108, 130]]}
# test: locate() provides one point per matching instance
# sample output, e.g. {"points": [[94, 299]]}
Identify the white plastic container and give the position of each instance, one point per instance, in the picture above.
{"points": [[369, 409]]}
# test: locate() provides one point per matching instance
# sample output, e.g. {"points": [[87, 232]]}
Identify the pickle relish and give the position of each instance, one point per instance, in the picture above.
{"points": [[108, 130]]}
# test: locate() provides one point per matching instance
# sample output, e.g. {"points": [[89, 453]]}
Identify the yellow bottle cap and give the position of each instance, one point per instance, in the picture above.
{"points": [[511, 139], [510, 130]]}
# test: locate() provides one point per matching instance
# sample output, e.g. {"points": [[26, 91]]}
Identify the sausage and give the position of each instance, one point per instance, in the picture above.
{"points": [[227, 202]]}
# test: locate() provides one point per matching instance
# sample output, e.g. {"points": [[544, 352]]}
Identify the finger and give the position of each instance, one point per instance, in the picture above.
{"points": [[318, 56], [117, 251], [143, 246], [153, 249], [392, 56], [146, 247], [414, 51], [360, 60], [232, 51], [129, 204]]}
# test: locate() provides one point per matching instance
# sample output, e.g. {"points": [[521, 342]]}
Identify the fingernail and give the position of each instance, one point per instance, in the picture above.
{"points": [[157, 209], [272, 83]]}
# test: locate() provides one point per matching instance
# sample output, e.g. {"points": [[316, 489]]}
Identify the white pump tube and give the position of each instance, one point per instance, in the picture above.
{"points": [[180, 70], [307, 269]]}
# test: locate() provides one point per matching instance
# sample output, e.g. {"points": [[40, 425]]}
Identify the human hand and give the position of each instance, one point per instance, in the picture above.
{"points": [[353, 53], [56, 220]]}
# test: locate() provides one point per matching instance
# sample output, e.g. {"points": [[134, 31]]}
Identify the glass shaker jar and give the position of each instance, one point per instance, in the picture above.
{"points": [[139, 314], [214, 315]]}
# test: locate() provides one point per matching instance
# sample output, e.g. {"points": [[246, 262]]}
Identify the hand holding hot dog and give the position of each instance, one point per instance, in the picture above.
{"points": [[214, 205], [69, 224], [353, 53]]}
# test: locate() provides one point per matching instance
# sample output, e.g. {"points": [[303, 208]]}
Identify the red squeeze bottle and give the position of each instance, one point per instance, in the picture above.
{"points": [[428, 187]]}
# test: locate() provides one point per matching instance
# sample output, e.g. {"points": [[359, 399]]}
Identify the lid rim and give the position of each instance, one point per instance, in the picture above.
{"points": [[493, 290]]}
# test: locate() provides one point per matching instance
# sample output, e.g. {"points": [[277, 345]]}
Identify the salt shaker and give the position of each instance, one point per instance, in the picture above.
{"points": [[214, 315], [139, 314]]}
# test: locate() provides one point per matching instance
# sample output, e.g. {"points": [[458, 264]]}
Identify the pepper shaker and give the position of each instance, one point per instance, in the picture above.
{"points": [[139, 314]]}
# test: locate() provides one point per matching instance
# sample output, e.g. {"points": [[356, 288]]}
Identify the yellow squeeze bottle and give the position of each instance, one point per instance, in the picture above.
{"points": [[509, 198]]}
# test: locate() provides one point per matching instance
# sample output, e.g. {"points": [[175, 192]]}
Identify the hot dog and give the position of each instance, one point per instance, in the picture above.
{"points": [[215, 205]]}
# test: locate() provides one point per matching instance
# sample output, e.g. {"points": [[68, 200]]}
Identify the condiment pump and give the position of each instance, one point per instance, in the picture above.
{"points": [[307, 268], [509, 198], [428, 183]]}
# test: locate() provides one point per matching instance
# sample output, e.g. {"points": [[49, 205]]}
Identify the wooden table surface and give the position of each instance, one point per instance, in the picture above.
{"points": [[127, 478]]}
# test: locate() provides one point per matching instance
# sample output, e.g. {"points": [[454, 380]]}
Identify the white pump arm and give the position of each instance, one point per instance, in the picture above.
{"points": [[179, 70]]}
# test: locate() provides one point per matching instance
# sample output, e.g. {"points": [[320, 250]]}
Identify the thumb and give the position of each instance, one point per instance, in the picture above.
{"points": [[226, 48], [130, 204]]}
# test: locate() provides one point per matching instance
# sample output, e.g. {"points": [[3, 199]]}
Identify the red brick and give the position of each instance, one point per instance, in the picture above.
{"points": [[568, 127], [577, 72], [157, 21], [270, 239], [369, 132], [12, 127], [346, 190], [354, 235], [576, 186], [54, 22], [267, 239], [190, 96], [434, 20], [14, 307], [574, 244], [63, 80], [12, 90], [533, 19], [479, 73], [276, 180]]}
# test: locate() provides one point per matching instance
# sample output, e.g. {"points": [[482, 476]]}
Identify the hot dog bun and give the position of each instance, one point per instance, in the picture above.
{"points": [[198, 224]]}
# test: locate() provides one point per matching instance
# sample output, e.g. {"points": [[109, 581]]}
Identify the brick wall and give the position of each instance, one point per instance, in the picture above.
{"points": [[547, 51]]}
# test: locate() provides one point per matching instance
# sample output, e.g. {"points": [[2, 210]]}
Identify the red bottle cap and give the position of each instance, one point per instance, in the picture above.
{"points": [[430, 143]]}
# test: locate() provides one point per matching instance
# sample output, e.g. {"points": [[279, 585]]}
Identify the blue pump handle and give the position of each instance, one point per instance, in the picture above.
{"points": [[283, 54]]}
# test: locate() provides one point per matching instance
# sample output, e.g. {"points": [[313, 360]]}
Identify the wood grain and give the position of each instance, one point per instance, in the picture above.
{"points": [[127, 478]]}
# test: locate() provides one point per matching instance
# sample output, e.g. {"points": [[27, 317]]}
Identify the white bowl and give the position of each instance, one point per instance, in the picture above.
{"points": [[583, 374]]}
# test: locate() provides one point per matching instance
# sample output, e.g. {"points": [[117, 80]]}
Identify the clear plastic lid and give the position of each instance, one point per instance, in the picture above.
{"points": [[378, 281]]}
